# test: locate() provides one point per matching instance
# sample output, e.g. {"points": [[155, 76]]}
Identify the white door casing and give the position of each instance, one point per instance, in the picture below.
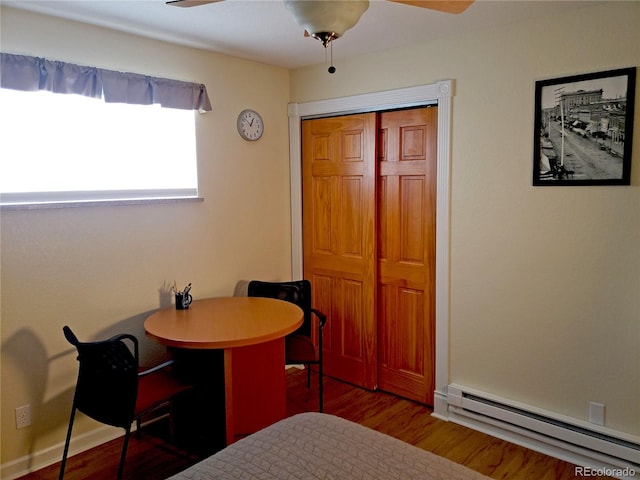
{"points": [[439, 93]]}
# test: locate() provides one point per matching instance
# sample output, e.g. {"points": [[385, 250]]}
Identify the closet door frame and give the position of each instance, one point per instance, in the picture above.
{"points": [[440, 94]]}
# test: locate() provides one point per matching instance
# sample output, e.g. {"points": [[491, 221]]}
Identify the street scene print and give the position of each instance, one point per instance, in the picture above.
{"points": [[584, 126]]}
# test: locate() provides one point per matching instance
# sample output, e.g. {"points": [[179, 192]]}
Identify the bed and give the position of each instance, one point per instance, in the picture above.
{"points": [[321, 446]]}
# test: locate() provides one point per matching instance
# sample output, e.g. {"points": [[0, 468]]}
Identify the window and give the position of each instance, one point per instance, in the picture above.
{"points": [[67, 148], [74, 133]]}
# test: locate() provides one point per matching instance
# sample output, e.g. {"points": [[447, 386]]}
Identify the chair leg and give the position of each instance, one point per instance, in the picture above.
{"points": [[172, 422], [63, 464], [124, 452], [320, 388], [320, 371]]}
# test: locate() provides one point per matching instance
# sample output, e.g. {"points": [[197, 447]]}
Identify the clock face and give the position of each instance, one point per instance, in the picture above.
{"points": [[250, 126]]}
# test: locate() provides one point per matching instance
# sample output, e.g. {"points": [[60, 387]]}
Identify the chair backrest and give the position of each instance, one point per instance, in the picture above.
{"points": [[297, 292], [107, 384]]}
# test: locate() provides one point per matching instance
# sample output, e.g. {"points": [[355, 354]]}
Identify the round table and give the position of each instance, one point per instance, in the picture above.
{"points": [[246, 335], [224, 322]]}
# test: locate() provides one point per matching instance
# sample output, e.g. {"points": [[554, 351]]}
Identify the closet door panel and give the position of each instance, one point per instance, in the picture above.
{"points": [[369, 245], [338, 184], [406, 253]]}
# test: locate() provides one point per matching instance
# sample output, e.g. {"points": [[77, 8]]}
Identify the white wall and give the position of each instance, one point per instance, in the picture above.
{"points": [[545, 281], [100, 269]]}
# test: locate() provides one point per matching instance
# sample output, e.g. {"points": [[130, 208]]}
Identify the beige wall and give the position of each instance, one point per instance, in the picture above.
{"points": [[545, 281], [100, 269]]}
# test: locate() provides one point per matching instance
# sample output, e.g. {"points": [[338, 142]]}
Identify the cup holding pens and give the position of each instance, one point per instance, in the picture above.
{"points": [[183, 300]]}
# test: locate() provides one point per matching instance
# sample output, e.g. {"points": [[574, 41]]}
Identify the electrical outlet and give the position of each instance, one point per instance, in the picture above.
{"points": [[23, 416], [596, 413]]}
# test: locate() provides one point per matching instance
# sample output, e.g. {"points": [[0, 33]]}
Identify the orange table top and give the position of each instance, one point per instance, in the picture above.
{"points": [[224, 322]]}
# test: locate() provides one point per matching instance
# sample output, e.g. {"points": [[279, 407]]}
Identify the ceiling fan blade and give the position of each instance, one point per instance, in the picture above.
{"points": [[448, 6], [190, 3]]}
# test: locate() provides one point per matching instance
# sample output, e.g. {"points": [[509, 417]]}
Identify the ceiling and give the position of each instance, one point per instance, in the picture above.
{"points": [[264, 30]]}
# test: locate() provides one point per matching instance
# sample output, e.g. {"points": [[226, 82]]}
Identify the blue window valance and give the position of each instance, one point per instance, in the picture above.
{"points": [[26, 73]]}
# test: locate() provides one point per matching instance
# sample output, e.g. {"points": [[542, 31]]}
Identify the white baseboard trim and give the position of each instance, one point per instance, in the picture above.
{"points": [[43, 458]]}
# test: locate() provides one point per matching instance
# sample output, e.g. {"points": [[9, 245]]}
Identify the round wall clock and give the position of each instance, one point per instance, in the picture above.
{"points": [[250, 125]]}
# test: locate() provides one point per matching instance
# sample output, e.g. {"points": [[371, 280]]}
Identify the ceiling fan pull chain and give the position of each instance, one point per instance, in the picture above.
{"points": [[331, 69]]}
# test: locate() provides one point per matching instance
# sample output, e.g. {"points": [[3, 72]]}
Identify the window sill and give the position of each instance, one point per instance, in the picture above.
{"points": [[97, 203]]}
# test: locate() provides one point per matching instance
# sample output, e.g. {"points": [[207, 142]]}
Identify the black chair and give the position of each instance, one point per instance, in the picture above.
{"points": [[299, 346], [113, 390]]}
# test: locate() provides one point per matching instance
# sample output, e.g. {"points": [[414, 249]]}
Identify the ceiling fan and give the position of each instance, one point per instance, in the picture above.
{"points": [[329, 19]]}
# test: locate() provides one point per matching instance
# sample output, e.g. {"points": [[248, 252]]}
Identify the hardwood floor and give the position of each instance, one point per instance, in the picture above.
{"points": [[150, 457]]}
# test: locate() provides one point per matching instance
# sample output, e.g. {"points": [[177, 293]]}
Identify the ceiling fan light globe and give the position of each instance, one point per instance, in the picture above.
{"points": [[326, 17]]}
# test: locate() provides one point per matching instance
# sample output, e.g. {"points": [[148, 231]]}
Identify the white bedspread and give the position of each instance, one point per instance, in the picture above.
{"points": [[320, 446]]}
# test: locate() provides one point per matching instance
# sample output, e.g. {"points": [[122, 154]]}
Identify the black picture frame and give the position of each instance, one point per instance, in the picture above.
{"points": [[583, 129]]}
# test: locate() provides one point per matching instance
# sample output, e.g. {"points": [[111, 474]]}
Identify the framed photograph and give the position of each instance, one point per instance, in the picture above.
{"points": [[583, 129]]}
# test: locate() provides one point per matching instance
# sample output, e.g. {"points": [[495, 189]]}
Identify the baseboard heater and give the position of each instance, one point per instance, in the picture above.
{"points": [[556, 431]]}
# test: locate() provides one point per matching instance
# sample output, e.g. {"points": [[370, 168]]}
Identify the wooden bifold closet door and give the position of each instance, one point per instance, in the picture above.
{"points": [[338, 209], [369, 185]]}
